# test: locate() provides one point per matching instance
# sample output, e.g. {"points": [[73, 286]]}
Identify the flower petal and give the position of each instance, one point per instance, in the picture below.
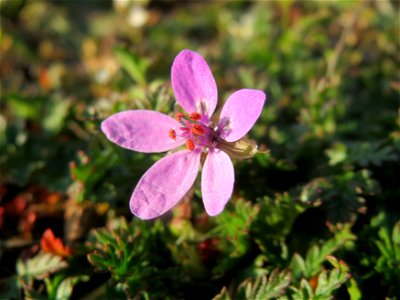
{"points": [[193, 83], [164, 184], [240, 112], [141, 130], [217, 181]]}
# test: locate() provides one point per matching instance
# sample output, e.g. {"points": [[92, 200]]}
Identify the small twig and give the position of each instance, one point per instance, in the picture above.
{"points": [[78, 130]]}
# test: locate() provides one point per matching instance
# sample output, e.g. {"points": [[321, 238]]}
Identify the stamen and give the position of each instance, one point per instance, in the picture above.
{"points": [[225, 123], [190, 145], [178, 116], [202, 107], [172, 134], [195, 116], [198, 129]]}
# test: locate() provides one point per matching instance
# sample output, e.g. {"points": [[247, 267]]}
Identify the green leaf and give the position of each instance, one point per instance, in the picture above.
{"points": [[235, 225], [341, 195], [25, 107], [232, 229], [64, 289], [298, 266], [389, 260], [223, 295], [128, 253], [57, 110], [304, 292], [135, 66], [278, 215], [328, 281], [370, 153], [353, 290], [318, 254], [89, 171], [264, 287], [337, 154], [9, 288]]}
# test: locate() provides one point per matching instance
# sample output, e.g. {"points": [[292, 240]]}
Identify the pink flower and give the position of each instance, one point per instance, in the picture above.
{"points": [[169, 179]]}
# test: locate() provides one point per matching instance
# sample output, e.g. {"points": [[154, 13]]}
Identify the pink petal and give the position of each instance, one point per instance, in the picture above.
{"points": [[193, 83], [164, 184], [217, 181], [141, 130], [240, 112]]}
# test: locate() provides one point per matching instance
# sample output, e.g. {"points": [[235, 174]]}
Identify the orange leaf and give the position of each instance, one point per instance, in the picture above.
{"points": [[49, 243]]}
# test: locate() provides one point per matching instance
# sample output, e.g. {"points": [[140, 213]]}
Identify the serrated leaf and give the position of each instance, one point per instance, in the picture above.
{"points": [[328, 281], [341, 195], [304, 292], [389, 248], [41, 265], [277, 283], [367, 153], [223, 295], [316, 255], [236, 225], [264, 287], [127, 252], [337, 153], [385, 244], [297, 265], [336, 263]]}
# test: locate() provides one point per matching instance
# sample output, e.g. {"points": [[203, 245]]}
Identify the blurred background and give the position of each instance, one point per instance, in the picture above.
{"points": [[328, 187]]}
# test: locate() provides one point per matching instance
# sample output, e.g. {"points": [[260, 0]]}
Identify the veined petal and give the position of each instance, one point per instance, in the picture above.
{"points": [[141, 130], [193, 83], [239, 113], [217, 181], [164, 184]]}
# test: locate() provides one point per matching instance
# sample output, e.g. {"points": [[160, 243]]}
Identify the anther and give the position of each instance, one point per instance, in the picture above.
{"points": [[178, 116], [195, 116], [190, 145], [172, 134], [198, 129]]}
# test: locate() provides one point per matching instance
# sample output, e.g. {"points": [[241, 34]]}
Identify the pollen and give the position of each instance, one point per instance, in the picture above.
{"points": [[178, 116], [190, 145], [172, 134], [198, 129], [195, 116]]}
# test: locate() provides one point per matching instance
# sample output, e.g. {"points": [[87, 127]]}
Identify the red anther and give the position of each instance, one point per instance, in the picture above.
{"points": [[198, 129], [195, 116], [172, 134], [190, 145], [178, 116]]}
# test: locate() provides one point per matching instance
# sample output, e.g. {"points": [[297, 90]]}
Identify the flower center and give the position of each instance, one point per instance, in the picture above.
{"points": [[196, 134]]}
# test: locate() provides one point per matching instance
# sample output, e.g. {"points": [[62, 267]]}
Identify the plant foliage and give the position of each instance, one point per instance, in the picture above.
{"points": [[314, 214]]}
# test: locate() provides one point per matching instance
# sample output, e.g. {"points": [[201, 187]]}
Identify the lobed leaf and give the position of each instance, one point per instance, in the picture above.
{"points": [[40, 266]]}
